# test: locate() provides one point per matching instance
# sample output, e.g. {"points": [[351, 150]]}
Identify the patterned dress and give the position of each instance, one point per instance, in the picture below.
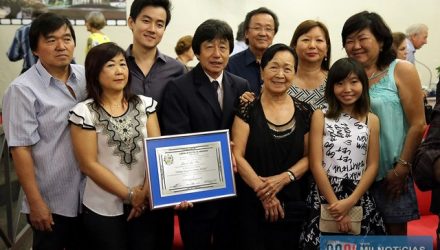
{"points": [[345, 147], [313, 97]]}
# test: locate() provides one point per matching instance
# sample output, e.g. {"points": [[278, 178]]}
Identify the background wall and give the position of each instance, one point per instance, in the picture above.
{"points": [[188, 14]]}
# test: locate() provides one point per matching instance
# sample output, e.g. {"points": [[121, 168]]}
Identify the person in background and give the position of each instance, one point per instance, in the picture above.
{"points": [[239, 43], [416, 37], [35, 107], [271, 146], [150, 69], [260, 27], [341, 183], [205, 99], [311, 42], [95, 22], [399, 45], [107, 135], [397, 99], [20, 47], [184, 51]]}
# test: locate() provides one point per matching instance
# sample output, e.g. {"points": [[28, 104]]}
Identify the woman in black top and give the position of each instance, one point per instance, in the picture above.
{"points": [[271, 137]]}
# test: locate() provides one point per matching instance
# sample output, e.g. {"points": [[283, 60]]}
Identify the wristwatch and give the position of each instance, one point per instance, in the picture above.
{"points": [[291, 176]]}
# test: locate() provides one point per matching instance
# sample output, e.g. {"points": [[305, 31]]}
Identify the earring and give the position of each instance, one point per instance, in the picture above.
{"points": [[325, 59]]}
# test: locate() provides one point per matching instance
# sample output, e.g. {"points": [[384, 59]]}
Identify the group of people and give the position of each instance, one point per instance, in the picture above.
{"points": [[304, 133]]}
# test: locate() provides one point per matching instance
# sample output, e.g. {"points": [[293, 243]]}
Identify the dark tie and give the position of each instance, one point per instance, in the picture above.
{"points": [[216, 86]]}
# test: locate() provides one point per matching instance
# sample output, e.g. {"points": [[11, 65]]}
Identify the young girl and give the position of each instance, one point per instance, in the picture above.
{"points": [[344, 154]]}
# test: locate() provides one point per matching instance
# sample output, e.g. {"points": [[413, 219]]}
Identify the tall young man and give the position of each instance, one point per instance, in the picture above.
{"points": [[150, 69]]}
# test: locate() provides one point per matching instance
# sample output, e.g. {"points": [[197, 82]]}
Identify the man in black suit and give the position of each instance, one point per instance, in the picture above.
{"points": [[205, 99]]}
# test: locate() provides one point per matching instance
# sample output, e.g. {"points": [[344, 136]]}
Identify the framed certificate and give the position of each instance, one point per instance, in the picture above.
{"points": [[189, 167]]}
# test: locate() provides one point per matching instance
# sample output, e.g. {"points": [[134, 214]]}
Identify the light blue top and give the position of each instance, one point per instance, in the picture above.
{"points": [[35, 111], [385, 103]]}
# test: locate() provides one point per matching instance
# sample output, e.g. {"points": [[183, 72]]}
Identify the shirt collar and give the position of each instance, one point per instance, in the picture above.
{"points": [[46, 77], [250, 57], [219, 79], [159, 55], [410, 45]]}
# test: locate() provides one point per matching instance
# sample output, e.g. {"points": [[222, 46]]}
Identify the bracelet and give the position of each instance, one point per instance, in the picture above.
{"points": [[291, 175], [404, 163], [130, 196], [395, 172]]}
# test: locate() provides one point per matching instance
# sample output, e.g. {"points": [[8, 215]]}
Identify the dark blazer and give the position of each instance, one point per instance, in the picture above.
{"points": [[189, 103]]}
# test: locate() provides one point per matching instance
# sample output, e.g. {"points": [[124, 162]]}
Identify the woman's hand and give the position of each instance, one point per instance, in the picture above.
{"points": [[247, 97], [271, 186], [139, 196], [139, 202], [345, 224], [273, 210], [340, 208], [184, 205], [395, 183]]}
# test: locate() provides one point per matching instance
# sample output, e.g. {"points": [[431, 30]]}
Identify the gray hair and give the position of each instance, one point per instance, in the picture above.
{"points": [[416, 29]]}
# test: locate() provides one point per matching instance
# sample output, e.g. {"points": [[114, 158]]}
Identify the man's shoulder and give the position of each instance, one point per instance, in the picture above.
{"points": [[236, 79], [27, 79], [170, 65], [238, 58]]}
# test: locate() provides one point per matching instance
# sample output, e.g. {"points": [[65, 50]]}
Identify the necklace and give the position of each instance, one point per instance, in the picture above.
{"points": [[376, 74], [113, 109]]}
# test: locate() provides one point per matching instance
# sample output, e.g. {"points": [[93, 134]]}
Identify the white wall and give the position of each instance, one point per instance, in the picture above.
{"points": [[188, 14]]}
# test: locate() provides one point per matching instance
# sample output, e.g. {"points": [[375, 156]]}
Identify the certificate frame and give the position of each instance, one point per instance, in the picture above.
{"points": [[155, 167]]}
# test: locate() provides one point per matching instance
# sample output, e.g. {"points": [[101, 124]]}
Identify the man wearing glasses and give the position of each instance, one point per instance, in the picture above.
{"points": [[261, 25]]}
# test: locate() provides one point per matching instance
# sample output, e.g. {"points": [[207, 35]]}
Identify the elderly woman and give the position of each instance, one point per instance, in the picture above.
{"points": [[271, 136], [397, 99], [311, 43], [399, 45]]}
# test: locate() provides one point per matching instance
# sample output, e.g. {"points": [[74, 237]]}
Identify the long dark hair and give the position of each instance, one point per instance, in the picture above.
{"points": [[339, 71], [97, 57]]}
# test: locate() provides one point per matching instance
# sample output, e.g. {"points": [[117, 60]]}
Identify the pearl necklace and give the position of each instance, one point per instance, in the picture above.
{"points": [[376, 74]]}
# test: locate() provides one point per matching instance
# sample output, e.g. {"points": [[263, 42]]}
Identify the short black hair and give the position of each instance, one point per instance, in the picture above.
{"points": [[45, 24], [380, 30], [210, 30], [261, 10], [138, 5], [96, 58], [339, 71], [270, 52]]}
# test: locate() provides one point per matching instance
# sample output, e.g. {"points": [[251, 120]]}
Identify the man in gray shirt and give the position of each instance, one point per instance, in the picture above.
{"points": [[35, 110], [150, 69]]}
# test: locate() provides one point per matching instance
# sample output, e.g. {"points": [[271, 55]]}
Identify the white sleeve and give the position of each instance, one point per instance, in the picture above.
{"points": [[80, 115], [149, 104]]}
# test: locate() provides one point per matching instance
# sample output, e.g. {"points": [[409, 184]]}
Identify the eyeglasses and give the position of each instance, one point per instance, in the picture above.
{"points": [[260, 29]]}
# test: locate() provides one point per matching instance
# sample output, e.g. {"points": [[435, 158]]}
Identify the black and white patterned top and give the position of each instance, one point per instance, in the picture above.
{"points": [[345, 145], [120, 148], [313, 97]]}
